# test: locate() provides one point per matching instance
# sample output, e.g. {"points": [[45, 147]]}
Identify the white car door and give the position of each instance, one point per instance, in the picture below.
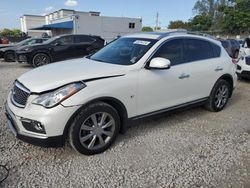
{"points": [[205, 66], [160, 89]]}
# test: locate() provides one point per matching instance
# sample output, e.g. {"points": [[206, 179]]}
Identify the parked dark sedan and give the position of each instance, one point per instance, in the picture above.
{"points": [[59, 48], [8, 53], [232, 47]]}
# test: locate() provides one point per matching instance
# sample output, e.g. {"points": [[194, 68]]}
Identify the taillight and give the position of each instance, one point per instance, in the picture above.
{"points": [[234, 61]]}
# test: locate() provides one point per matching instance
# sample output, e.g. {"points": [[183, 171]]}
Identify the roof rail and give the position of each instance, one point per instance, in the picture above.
{"points": [[201, 34], [172, 32]]}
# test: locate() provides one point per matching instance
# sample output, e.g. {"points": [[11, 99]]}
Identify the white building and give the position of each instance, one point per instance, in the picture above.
{"points": [[67, 21], [31, 21]]}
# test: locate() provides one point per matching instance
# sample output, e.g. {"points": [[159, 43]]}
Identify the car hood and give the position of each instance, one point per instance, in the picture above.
{"points": [[54, 75], [31, 46], [2, 46], [14, 47]]}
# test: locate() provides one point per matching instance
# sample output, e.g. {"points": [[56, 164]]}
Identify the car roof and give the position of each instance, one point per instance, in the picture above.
{"points": [[178, 32], [64, 35], [156, 35]]}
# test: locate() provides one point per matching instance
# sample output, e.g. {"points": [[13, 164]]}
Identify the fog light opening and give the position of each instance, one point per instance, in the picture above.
{"points": [[33, 126]]}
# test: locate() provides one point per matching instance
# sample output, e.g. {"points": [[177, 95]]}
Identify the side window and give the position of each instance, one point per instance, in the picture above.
{"points": [[38, 41], [171, 50], [65, 40], [196, 49], [33, 41], [83, 39], [216, 50]]}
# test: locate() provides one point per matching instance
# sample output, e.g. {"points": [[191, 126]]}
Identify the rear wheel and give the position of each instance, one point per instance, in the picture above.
{"points": [[40, 59], [94, 129], [9, 56], [219, 96]]}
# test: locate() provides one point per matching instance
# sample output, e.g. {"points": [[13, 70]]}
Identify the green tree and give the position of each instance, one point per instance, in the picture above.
{"points": [[201, 23], [211, 8], [236, 17], [178, 24], [207, 7], [16, 32], [8, 32], [147, 29]]}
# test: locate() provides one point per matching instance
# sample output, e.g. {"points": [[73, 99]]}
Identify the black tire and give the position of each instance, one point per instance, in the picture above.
{"points": [[9, 56], [212, 103], [84, 117], [40, 59]]}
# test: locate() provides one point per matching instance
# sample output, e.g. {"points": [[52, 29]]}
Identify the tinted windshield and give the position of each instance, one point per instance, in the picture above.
{"points": [[24, 42], [123, 51], [28, 42]]}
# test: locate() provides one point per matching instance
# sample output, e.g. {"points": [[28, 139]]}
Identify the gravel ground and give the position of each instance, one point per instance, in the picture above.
{"points": [[192, 148]]}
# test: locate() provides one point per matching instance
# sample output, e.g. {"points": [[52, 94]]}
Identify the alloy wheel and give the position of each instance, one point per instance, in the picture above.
{"points": [[97, 130], [221, 96], [40, 60]]}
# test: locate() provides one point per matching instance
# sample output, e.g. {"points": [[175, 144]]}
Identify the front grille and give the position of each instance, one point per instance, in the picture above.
{"points": [[20, 95]]}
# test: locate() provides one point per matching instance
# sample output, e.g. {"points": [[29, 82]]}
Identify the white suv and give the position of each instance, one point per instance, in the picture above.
{"points": [[243, 67], [90, 100]]}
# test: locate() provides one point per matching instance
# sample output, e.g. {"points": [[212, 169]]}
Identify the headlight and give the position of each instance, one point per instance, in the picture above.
{"points": [[53, 98]]}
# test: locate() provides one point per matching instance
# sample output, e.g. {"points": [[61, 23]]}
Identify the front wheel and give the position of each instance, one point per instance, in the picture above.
{"points": [[40, 59], [94, 129], [9, 56], [219, 96]]}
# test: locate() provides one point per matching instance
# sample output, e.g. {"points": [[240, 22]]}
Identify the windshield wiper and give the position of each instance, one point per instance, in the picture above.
{"points": [[97, 60]]}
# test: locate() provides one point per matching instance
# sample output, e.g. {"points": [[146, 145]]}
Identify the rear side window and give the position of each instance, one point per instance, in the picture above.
{"points": [[83, 39], [216, 49], [196, 50], [171, 50], [64, 40]]}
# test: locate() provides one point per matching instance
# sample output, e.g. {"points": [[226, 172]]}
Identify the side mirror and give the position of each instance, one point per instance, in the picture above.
{"points": [[159, 63]]}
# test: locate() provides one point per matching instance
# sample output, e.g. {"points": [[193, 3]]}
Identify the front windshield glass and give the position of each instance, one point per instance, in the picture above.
{"points": [[123, 51], [24, 42]]}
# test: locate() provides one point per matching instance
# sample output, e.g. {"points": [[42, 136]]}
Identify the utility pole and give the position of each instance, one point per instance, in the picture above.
{"points": [[157, 21]]}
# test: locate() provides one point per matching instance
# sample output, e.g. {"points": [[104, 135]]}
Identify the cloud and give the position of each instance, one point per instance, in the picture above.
{"points": [[48, 9], [71, 3]]}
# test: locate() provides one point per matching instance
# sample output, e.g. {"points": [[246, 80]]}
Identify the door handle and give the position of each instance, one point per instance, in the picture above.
{"points": [[218, 69], [184, 75]]}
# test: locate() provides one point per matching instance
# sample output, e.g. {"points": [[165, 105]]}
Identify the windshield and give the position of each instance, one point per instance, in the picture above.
{"points": [[24, 42], [28, 42], [123, 51]]}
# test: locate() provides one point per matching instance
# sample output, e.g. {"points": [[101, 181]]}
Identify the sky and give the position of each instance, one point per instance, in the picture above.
{"points": [[11, 10]]}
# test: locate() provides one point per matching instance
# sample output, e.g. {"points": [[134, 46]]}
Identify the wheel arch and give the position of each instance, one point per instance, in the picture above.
{"points": [[229, 79], [115, 103], [8, 51]]}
